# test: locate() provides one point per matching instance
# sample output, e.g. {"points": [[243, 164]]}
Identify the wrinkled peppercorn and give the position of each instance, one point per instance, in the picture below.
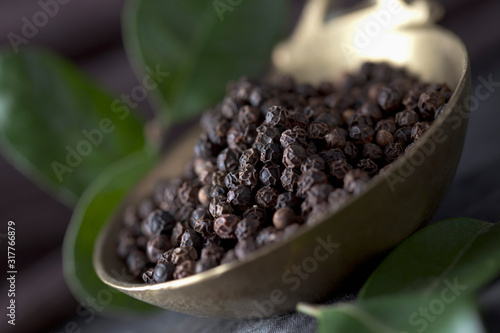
{"points": [[418, 130], [248, 176], [191, 238], [310, 178], [403, 135], [389, 99], [368, 165], [361, 134], [271, 153], [225, 226], [157, 222], [184, 269], [256, 213], [336, 138], [372, 151], [249, 157], [386, 124], [293, 156], [266, 197], [228, 160], [181, 254], [318, 130], [295, 135], [156, 246], [287, 199], [240, 197], [219, 206], [429, 102], [247, 228], [270, 174], [163, 272], [393, 150], [406, 118], [355, 180]]}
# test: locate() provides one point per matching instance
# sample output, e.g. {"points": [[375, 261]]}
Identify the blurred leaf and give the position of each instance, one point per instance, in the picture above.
{"points": [[398, 314], [461, 252], [202, 45], [57, 126], [92, 211]]}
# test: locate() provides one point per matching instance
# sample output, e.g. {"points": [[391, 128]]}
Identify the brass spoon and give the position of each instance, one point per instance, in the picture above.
{"points": [[394, 205]]}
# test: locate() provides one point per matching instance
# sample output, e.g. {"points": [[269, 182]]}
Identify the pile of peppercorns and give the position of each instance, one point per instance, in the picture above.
{"points": [[271, 158]]}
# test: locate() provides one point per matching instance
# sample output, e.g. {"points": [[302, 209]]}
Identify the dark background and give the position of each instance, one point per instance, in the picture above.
{"points": [[88, 32]]}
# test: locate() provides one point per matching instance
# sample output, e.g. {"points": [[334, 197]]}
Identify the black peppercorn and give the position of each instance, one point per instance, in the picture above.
{"points": [[393, 150], [287, 199], [313, 162], [361, 134], [225, 226], [247, 228], [191, 238], [248, 115], [308, 179], [293, 156], [249, 157], [181, 254], [136, 262], [240, 197], [295, 135], [266, 197], [156, 246], [383, 138], [228, 160], [157, 222], [386, 124], [318, 130], [185, 269], [219, 206], [271, 153], [229, 108], [336, 138], [147, 276], [403, 135], [429, 102], [339, 168], [248, 176], [204, 227], [351, 151], [406, 118], [205, 148], [389, 99], [372, 151], [163, 272], [355, 180], [371, 109], [276, 117], [289, 179], [256, 213], [267, 236], [232, 179], [270, 174], [369, 166], [418, 130]]}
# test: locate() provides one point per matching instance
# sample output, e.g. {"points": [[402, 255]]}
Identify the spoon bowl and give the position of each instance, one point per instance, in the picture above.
{"points": [[318, 259]]}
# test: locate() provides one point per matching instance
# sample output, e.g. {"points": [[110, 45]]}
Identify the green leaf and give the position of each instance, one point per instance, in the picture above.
{"points": [[462, 252], [398, 314], [92, 211], [202, 45], [46, 107]]}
